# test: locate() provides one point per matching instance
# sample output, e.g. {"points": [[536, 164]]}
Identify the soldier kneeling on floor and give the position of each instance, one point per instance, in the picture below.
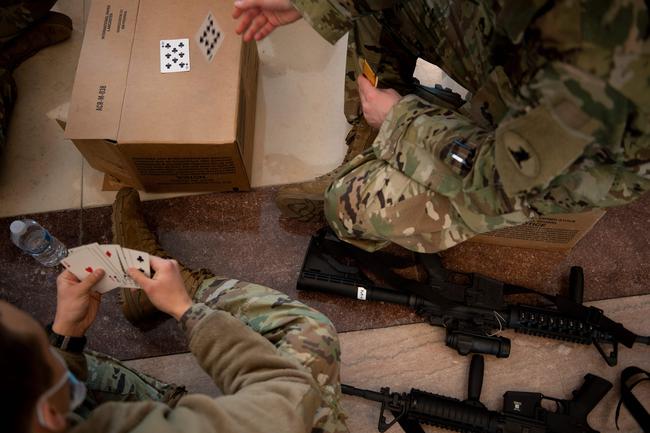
{"points": [[556, 120]]}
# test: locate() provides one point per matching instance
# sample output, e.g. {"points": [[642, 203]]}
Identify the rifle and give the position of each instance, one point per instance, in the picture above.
{"points": [[473, 311], [522, 411]]}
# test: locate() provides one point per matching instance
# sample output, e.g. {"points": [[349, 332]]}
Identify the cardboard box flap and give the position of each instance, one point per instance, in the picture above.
{"points": [[98, 92], [198, 106], [551, 232]]}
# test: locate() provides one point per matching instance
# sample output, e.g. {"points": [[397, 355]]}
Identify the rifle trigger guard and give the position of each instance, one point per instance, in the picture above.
{"points": [[383, 425], [612, 358]]}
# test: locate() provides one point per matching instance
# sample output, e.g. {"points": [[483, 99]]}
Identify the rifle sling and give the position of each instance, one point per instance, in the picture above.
{"points": [[630, 401]]}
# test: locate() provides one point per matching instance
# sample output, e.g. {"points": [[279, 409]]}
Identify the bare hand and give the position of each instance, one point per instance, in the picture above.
{"points": [[258, 18], [77, 303], [376, 103], [166, 289]]}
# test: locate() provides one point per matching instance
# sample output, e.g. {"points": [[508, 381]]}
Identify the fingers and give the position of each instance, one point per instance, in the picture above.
{"points": [[157, 262], [264, 31], [365, 88], [245, 4], [258, 22], [92, 279], [160, 264], [262, 4], [66, 275], [141, 279], [245, 20], [236, 12]]}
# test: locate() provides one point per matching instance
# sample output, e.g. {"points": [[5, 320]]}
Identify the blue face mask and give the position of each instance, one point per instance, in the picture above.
{"points": [[77, 391]]}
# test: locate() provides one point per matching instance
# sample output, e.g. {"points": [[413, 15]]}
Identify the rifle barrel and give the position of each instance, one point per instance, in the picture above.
{"points": [[642, 340], [363, 393]]}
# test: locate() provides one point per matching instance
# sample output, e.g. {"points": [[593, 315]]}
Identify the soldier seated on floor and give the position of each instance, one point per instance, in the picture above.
{"points": [[286, 382]]}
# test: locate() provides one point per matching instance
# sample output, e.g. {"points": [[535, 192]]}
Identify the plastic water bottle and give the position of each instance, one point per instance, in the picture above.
{"points": [[34, 240]]}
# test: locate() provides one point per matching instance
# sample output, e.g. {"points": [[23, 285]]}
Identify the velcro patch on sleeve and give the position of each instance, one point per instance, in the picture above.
{"points": [[531, 150]]}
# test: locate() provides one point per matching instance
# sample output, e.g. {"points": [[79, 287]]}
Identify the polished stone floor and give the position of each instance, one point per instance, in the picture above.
{"points": [[241, 235], [414, 356]]}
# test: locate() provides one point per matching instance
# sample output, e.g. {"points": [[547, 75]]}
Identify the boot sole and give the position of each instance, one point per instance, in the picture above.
{"points": [[303, 208]]}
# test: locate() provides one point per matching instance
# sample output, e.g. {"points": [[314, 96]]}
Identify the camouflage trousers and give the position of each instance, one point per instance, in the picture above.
{"points": [[371, 204], [296, 330]]}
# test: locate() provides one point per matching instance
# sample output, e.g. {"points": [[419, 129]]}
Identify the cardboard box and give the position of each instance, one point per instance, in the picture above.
{"points": [[185, 131], [553, 232]]}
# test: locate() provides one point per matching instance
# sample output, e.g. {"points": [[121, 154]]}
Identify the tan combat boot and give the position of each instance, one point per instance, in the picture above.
{"points": [[130, 231], [304, 201]]}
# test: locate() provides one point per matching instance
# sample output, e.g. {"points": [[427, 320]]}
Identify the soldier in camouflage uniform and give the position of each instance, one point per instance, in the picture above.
{"points": [[297, 331], [26, 26], [557, 119]]}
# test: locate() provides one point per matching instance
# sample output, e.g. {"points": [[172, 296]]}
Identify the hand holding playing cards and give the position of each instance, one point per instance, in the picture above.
{"points": [[76, 303], [166, 289], [258, 18], [376, 103]]}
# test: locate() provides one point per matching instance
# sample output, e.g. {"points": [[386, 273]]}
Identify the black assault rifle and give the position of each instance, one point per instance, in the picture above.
{"points": [[472, 311], [522, 411]]}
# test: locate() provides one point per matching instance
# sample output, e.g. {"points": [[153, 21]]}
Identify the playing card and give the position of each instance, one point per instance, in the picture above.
{"points": [[368, 72], [174, 55], [209, 37], [128, 281], [108, 257], [113, 254], [138, 260], [83, 262], [113, 274]]}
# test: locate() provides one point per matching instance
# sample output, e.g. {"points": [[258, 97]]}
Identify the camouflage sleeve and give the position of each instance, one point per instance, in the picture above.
{"points": [[263, 389], [327, 17], [76, 363], [236, 357], [193, 316]]}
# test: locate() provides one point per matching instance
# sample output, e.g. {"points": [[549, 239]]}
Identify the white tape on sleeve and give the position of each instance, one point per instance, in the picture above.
{"points": [[361, 293]]}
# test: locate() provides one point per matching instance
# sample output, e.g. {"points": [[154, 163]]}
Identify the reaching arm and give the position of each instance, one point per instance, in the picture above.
{"points": [[258, 18], [266, 391]]}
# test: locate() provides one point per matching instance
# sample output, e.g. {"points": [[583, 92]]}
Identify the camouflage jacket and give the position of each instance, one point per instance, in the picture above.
{"points": [[559, 105], [265, 390]]}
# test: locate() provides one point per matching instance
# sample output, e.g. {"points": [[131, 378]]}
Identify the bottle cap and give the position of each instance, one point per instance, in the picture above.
{"points": [[18, 228]]}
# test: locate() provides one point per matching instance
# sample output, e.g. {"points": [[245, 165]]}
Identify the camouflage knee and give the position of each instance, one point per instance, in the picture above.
{"points": [[294, 328], [372, 204]]}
